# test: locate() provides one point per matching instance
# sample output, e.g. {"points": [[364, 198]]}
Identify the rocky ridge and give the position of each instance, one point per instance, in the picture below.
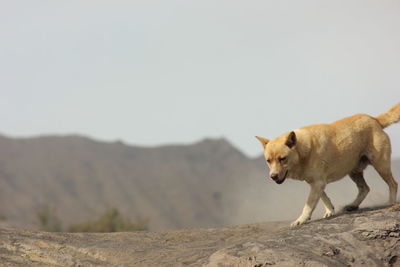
{"points": [[369, 237]]}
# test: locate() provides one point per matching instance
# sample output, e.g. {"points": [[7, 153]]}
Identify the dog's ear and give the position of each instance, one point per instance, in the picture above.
{"points": [[291, 140], [263, 141]]}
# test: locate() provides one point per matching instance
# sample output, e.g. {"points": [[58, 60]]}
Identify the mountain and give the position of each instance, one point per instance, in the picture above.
{"points": [[173, 186], [206, 184]]}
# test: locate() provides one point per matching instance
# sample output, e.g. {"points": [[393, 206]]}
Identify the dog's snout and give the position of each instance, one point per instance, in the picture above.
{"points": [[274, 176]]}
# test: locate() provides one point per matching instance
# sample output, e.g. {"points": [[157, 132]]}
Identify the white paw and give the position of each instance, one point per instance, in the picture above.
{"points": [[328, 214], [297, 222]]}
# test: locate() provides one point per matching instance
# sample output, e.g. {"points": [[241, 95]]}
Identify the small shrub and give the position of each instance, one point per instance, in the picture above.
{"points": [[110, 221], [48, 220]]}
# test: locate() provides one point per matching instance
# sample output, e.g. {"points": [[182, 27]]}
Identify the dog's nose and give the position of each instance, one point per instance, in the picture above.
{"points": [[274, 176]]}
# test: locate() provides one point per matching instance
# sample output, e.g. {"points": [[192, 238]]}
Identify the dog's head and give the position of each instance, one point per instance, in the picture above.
{"points": [[280, 154]]}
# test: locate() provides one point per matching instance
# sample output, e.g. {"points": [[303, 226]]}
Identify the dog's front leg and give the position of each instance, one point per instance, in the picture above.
{"points": [[315, 193], [329, 209]]}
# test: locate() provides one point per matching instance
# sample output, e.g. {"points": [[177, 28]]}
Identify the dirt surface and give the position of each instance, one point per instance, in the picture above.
{"points": [[363, 238]]}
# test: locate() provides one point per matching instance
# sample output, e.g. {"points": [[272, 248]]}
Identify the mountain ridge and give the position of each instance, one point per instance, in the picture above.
{"points": [[67, 168]]}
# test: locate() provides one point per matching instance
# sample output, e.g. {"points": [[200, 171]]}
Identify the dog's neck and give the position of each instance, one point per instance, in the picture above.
{"points": [[303, 148]]}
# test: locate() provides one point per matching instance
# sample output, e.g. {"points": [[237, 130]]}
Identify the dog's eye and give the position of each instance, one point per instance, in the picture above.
{"points": [[282, 159], [268, 160]]}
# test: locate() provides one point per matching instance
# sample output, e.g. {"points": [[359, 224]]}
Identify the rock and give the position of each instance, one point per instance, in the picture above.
{"points": [[362, 238]]}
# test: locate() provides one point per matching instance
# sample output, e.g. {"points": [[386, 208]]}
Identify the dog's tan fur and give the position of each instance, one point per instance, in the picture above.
{"points": [[324, 153]]}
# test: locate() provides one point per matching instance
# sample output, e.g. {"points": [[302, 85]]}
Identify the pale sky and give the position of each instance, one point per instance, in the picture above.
{"points": [[159, 72]]}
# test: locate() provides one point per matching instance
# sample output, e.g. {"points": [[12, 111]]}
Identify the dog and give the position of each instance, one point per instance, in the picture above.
{"points": [[324, 153]]}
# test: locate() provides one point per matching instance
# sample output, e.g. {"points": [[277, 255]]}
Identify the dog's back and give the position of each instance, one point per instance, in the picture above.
{"points": [[345, 142]]}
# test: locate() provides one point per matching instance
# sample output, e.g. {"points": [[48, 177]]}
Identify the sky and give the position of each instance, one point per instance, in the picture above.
{"points": [[160, 72]]}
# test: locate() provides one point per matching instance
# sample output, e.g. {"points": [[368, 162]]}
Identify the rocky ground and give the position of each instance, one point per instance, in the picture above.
{"points": [[364, 238]]}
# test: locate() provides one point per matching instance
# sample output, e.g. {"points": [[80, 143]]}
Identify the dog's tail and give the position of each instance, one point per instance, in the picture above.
{"points": [[389, 117]]}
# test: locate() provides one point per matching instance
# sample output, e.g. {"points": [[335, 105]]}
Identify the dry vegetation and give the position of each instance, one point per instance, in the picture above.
{"points": [[110, 221]]}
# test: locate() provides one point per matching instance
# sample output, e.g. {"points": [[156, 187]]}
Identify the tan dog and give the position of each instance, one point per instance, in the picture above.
{"points": [[323, 153]]}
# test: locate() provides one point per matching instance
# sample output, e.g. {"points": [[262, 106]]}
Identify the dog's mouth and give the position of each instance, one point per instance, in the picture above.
{"points": [[279, 181]]}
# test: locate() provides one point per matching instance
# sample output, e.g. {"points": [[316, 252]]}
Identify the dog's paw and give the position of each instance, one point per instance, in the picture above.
{"points": [[297, 223], [328, 214], [350, 208]]}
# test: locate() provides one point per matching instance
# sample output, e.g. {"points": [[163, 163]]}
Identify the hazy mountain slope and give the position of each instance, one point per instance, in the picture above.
{"points": [[206, 184], [174, 186]]}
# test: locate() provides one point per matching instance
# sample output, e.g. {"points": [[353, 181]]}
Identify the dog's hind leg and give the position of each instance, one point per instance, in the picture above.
{"points": [[383, 168], [380, 159], [329, 209], [363, 190]]}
